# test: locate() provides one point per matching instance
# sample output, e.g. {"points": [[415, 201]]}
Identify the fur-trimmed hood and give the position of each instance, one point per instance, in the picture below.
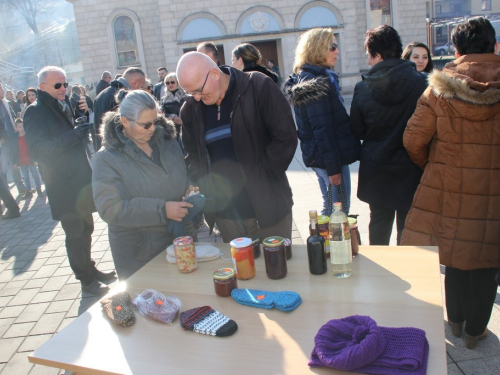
{"points": [[113, 138], [311, 83], [471, 78]]}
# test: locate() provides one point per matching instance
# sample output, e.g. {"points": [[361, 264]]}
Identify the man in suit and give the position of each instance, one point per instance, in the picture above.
{"points": [[159, 90], [60, 147], [9, 143], [103, 83]]}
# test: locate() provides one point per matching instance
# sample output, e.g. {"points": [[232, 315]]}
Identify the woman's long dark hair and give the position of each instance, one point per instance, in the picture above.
{"points": [[408, 51], [32, 89]]}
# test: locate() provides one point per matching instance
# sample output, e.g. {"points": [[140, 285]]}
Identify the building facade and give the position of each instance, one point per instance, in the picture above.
{"points": [[116, 34]]}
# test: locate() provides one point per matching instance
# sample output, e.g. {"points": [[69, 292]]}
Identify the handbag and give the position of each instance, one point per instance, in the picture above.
{"points": [[343, 200]]}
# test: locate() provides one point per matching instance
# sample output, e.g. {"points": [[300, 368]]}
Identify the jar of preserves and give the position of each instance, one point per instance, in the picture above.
{"points": [[275, 257], [185, 254], [288, 248], [242, 253], [353, 227], [256, 247], [225, 281]]}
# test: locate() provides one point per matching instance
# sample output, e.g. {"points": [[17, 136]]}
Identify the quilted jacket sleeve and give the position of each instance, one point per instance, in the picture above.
{"points": [[357, 122], [420, 129]]}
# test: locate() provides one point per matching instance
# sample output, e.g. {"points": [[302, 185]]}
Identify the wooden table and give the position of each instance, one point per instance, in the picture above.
{"points": [[396, 286]]}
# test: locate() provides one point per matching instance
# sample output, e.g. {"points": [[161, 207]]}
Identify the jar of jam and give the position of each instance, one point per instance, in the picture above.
{"points": [[256, 247], [353, 227], [225, 281], [242, 253], [323, 221], [185, 254], [288, 248], [275, 257]]}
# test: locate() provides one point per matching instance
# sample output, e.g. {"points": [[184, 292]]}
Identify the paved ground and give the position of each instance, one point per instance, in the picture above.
{"points": [[39, 295]]}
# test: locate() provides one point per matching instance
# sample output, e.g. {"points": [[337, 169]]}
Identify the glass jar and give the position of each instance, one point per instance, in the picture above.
{"points": [[353, 227], [185, 254], [288, 248], [225, 281], [256, 247], [242, 253], [275, 257], [323, 221]]}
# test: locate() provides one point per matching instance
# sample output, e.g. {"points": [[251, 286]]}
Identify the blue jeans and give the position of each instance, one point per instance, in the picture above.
{"points": [[323, 185], [25, 170]]}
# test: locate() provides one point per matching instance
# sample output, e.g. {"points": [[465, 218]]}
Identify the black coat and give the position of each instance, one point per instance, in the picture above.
{"points": [[157, 90], [67, 172], [101, 86], [383, 103], [263, 70], [103, 103], [326, 140]]}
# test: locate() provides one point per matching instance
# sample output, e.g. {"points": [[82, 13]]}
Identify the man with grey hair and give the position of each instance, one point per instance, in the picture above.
{"points": [[61, 148], [103, 83], [132, 79], [209, 49]]}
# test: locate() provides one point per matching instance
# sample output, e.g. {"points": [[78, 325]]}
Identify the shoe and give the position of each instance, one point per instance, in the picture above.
{"points": [[27, 195], [471, 341], [456, 328], [95, 288], [105, 277], [22, 191], [11, 214], [39, 192]]}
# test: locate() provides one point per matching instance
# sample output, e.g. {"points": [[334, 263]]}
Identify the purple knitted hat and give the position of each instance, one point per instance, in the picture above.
{"points": [[356, 343]]}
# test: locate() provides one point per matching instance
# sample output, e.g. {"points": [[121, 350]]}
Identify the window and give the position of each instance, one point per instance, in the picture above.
{"points": [[126, 42], [439, 9], [486, 5], [318, 16], [380, 13]]}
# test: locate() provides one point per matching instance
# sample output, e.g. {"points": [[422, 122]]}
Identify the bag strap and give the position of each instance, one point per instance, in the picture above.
{"points": [[329, 203], [342, 198]]}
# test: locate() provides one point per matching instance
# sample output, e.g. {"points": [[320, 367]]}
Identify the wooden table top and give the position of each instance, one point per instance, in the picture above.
{"points": [[396, 286]]}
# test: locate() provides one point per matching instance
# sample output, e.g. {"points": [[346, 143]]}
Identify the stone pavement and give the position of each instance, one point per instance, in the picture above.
{"points": [[39, 295]]}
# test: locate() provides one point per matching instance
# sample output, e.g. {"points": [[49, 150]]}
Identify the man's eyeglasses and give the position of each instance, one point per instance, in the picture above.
{"points": [[171, 83], [147, 125], [202, 87], [57, 86], [333, 47]]}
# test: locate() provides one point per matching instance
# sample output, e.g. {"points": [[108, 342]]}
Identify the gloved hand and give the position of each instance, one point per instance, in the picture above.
{"points": [[82, 130]]}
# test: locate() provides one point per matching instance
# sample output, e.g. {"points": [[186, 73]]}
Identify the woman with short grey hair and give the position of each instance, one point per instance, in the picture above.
{"points": [[139, 182], [173, 100]]}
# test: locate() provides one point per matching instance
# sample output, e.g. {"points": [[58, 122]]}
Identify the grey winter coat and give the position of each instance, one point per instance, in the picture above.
{"points": [[130, 192]]}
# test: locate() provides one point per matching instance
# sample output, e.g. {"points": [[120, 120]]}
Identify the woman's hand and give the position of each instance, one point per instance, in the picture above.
{"points": [[336, 179], [177, 210], [177, 120]]}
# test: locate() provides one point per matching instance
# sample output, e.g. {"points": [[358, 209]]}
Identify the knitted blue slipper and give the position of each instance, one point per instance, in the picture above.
{"points": [[287, 301], [254, 298]]}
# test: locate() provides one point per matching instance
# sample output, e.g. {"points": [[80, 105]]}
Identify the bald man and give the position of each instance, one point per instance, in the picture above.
{"points": [[244, 123]]}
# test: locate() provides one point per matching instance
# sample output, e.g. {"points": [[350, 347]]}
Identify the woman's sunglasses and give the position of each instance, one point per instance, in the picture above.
{"points": [[333, 47], [171, 83]]}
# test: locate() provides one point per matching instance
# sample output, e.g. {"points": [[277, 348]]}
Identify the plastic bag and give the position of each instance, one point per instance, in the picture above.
{"points": [[155, 305]]}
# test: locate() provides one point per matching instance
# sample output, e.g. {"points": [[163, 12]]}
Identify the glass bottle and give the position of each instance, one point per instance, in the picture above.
{"points": [[316, 247], [353, 225], [340, 243]]}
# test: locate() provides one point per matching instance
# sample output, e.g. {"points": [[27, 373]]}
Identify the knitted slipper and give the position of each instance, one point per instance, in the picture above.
{"points": [[287, 301], [208, 321], [119, 309], [254, 298]]}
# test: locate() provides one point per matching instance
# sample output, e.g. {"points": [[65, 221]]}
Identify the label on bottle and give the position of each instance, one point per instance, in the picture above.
{"points": [[340, 252], [324, 233]]}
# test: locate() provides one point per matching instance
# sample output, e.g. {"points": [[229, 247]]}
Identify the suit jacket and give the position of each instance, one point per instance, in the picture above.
{"points": [[157, 90], [67, 172]]}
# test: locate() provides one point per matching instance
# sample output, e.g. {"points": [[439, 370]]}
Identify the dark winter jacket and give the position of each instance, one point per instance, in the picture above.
{"points": [[326, 140], [130, 192], [455, 135], [264, 138], [383, 103], [66, 169], [263, 70], [101, 86], [103, 103]]}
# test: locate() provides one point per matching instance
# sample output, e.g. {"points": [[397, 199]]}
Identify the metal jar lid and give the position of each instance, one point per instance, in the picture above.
{"points": [[224, 274], [323, 219], [181, 241], [241, 242], [273, 241]]}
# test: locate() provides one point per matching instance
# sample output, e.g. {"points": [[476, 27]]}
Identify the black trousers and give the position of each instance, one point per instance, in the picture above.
{"points": [[78, 244], [381, 221], [470, 296], [7, 197]]}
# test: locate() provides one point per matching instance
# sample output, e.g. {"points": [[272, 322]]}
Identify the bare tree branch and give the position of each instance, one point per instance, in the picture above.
{"points": [[29, 9]]}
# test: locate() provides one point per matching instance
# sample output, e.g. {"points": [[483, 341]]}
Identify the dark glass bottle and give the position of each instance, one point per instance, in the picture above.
{"points": [[316, 247]]}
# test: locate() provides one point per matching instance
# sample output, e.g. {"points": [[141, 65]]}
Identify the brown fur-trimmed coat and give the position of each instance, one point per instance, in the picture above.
{"points": [[454, 135]]}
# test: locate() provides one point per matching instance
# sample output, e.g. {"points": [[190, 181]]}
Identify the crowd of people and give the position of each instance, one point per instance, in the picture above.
{"points": [[427, 142]]}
